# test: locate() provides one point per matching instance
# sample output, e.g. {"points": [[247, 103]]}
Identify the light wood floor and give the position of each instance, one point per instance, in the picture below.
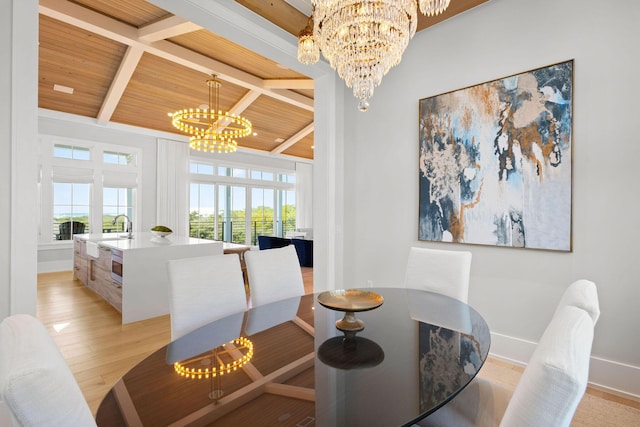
{"points": [[99, 349]]}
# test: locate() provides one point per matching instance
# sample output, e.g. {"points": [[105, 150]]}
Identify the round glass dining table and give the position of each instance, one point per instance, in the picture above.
{"points": [[287, 364]]}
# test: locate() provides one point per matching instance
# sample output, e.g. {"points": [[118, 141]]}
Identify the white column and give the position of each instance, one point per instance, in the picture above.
{"points": [[18, 163], [304, 195]]}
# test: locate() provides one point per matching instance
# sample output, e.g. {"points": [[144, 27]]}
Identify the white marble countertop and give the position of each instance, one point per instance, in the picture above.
{"points": [[140, 240]]}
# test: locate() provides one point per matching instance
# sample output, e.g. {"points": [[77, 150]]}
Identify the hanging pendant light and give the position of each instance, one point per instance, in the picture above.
{"points": [[363, 39], [308, 51], [210, 129]]}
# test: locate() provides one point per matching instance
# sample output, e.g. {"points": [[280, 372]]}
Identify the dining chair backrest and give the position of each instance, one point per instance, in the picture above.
{"points": [[556, 376], [274, 274], [548, 391], [37, 387], [582, 294], [442, 271], [204, 289]]}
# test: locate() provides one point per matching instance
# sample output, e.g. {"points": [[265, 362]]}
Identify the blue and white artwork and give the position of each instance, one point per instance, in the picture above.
{"points": [[495, 162]]}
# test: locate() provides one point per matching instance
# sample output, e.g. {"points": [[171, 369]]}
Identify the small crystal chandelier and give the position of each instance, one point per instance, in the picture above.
{"points": [[308, 51], [363, 39], [209, 128]]}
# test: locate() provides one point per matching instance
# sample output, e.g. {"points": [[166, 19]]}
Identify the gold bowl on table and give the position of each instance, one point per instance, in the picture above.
{"points": [[350, 301]]}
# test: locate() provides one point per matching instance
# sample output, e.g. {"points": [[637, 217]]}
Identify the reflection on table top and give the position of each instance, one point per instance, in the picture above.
{"points": [[417, 350]]}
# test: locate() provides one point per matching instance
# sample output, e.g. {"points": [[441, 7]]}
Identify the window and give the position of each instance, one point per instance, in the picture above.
{"points": [[287, 211], [200, 168], [202, 212], [234, 172], [70, 209], [265, 176], [116, 158], [262, 213], [291, 179], [71, 152], [232, 208], [218, 207], [83, 186], [116, 201]]}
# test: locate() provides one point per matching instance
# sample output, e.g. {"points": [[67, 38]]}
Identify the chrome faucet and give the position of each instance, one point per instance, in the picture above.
{"points": [[129, 225]]}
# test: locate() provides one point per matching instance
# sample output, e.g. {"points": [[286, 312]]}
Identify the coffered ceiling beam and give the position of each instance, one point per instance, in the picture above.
{"points": [[119, 83], [170, 27], [110, 28], [289, 84]]}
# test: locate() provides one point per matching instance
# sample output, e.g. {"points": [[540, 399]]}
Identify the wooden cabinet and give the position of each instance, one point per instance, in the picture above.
{"points": [[80, 261], [100, 281]]}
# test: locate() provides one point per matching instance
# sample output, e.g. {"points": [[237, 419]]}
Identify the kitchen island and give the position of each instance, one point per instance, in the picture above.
{"points": [[131, 274]]}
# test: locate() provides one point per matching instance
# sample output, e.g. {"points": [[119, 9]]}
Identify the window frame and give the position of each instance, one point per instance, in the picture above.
{"points": [[248, 183], [92, 171]]}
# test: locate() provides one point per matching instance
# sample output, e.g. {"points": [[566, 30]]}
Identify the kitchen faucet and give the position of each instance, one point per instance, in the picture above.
{"points": [[129, 225]]}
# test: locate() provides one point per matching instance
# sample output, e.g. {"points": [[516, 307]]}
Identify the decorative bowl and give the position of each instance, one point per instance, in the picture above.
{"points": [[161, 233], [350, 301]]}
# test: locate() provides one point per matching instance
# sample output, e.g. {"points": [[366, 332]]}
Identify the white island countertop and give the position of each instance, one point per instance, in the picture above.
{"points": [[142, 240], [144, 278]]}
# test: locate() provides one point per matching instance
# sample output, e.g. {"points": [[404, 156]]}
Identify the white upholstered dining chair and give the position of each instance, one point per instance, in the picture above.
{"points": [[36, 386], [549, 390], [442, 271], [204, 289], [274, 274], [582, 294]]}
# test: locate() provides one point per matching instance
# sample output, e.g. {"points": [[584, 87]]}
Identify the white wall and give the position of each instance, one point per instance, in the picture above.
{"points": [[515, 289]]}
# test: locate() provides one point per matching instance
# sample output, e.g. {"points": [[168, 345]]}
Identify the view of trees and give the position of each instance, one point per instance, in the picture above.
{"points": [[263, 222]]}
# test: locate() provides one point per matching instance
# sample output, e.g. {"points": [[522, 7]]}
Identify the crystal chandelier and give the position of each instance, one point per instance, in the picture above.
{"points": [[433, 7], [363, 39], [308, 51], [210, 129]]}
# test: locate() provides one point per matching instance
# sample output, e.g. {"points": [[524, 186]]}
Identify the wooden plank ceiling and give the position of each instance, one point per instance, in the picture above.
{"points": [[131, 62]]}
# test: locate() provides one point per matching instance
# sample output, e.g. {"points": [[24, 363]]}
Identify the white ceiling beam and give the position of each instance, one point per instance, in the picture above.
{"points": [[295, 138], [170, 27], [288, 84], [244, 102], [119, 83], [241, 105], [110, 28]]}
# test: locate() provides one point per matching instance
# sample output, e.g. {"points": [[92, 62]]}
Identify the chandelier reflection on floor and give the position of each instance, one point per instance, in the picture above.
{"points": [[215, 364], [362, 39]]}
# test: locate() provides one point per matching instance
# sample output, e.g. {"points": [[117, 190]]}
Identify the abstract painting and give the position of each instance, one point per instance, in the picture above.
{"points": [[495, 162]]}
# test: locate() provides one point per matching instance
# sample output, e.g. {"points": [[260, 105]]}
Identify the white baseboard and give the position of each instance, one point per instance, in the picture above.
{"points": [[607, 375], [53, 266]]}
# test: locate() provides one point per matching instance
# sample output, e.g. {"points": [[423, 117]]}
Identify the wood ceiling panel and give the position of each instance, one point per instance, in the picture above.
{"points": [[303, 148], [278, 12], [223, 50], [158, 87], [75, 58], [274, 119], [132, 12], [309, 93]]}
